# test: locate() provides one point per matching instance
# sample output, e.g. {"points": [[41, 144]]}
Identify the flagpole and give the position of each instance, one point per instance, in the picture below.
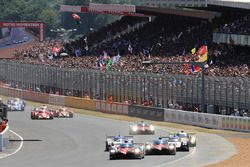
{"points": [[202, 89], [201, 65]]}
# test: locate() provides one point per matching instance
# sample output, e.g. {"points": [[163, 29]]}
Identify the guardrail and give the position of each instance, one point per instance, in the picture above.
{"points": [[112, 107], [4, 138], [158, 114], [213, 121]]}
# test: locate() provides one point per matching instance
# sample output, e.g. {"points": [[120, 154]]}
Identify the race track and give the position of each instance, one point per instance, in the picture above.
{"points": [[17, 34], [80, 142]]}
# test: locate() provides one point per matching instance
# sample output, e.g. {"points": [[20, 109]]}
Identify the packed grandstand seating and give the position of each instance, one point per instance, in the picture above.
{"points": [[239, 26], [171, 42]]}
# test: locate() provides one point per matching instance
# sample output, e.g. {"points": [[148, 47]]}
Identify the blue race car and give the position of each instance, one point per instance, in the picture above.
{"points": [[16, 104], [115, 141]]}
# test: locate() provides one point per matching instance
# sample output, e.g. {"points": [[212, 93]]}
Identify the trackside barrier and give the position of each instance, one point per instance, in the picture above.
{"points": [[151, 113], [36, 96], [191, 118], [4, 139], [11, 92], [208, 120], [159, 114], [112, 108], [81, 103], [56, 99], [236, 123]]}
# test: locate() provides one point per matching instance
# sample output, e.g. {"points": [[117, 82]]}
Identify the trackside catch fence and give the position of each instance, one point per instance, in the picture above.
{"points": [[233, 92]]}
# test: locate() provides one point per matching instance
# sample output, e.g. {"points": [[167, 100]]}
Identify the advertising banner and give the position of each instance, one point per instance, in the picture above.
{"points": [[39, 25], [150, 113], [56, 99]]}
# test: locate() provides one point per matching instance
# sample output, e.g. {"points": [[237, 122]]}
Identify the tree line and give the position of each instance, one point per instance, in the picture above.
{"points": [[48, 11]]}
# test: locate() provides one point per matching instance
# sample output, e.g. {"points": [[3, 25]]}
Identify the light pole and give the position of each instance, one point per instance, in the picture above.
{"points": [[200, 64]]}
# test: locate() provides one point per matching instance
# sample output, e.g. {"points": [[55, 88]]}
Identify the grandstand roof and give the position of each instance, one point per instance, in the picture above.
{"points": [[177, 11], [243, 4]]}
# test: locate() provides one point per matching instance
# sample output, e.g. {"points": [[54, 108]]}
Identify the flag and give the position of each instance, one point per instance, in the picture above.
{"points": [[193, 51], [109, 64], [202, 54], [100, 62], [116, 59], [184, 52], [130, 49], [105, 55], [195, 69]]}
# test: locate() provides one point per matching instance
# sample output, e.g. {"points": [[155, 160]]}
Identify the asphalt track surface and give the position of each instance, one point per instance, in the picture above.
{"points": [[79, 142], [17, 34]]}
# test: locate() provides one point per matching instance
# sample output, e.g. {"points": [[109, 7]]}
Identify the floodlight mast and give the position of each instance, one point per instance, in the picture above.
{"points": [[200, 64]]}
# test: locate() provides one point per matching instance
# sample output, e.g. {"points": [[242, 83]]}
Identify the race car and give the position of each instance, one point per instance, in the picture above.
{"points": [[115, 141], [162, 145], [181, 140], [63, 112], [42, 113], [16, 104], [191, 137], [127, 150], [141, 128]]}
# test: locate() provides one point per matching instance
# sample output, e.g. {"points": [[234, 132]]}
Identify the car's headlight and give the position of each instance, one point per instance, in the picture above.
{"points": [[137, 150], [134, 128], [148, 147], [171, 147], [152, 128], [192, 140], [112, 151]]}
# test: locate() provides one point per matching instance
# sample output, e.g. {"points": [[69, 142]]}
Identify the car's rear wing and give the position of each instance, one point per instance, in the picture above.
{"points": [[139, 144], [126, 137]]}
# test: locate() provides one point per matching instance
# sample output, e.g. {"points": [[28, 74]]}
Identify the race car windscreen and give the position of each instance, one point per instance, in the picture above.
{"points": [[125, 145], [157, 142]]}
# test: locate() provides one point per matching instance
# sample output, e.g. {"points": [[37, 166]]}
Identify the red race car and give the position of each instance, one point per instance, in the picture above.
{"points": [[63, 112], [42, 113], [141, 128]]}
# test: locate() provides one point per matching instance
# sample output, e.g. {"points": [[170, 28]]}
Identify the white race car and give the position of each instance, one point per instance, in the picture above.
{"points": [[16, 104]]}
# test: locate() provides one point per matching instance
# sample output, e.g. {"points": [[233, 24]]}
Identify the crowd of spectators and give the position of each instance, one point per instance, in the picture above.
{"points": [[240, 26], [171, 42]]}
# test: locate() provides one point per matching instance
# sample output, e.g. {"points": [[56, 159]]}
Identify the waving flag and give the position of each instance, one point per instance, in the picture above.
{"points": [[105, 55], [195, 69], [100, 62], [109, 64], [193, 51], [116, 59], [202, 54]]}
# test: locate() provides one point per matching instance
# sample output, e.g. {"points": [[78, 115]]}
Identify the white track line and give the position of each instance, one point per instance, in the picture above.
{"points": [[176, 160], [18, 149]]}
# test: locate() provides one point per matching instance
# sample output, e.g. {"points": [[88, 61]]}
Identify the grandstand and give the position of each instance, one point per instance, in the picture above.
{"points": [[169, 36]]}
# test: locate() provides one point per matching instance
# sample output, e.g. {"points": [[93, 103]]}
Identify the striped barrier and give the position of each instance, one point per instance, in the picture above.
{"points": [[208, 120], [236, 123]]}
